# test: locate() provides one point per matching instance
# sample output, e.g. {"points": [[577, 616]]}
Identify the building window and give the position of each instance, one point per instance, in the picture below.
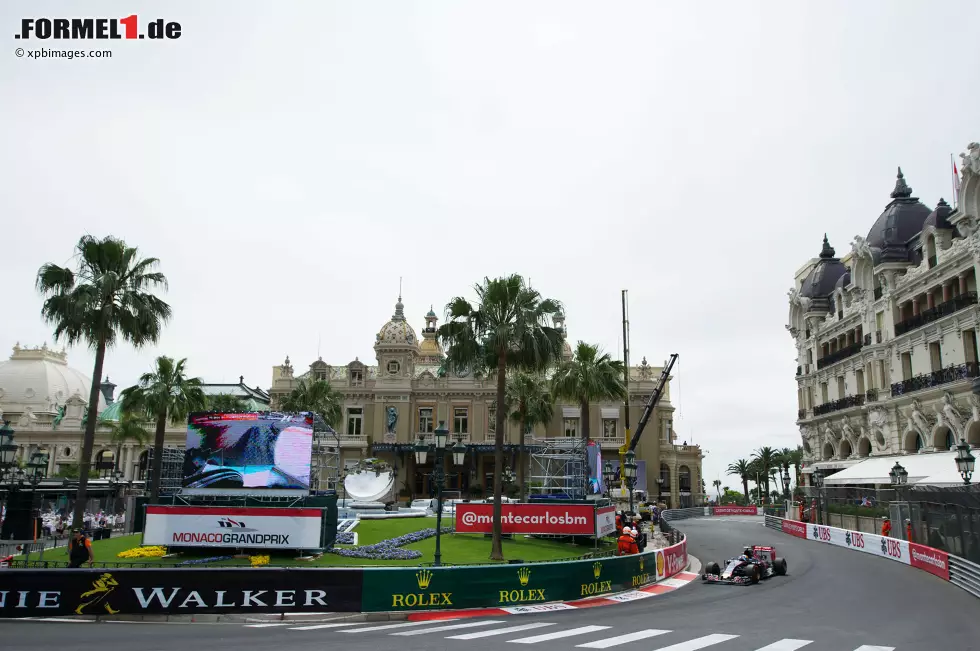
{"points": [[609, 428], [492, 418], [355, 417], [425, 420], [823, 393], [461, 420], [840, 386], [571, 427], [357, 378], [936, 356], [906, 366], [393, 367], [320, 375]]}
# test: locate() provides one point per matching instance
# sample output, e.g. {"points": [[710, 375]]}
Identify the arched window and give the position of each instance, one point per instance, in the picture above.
{"points": [[684, 479], [931, 251]]}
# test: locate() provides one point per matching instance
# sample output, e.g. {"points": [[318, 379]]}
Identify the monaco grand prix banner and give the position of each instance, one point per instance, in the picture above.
{"points": [[183, 591], [545, 519], [207, 526]]}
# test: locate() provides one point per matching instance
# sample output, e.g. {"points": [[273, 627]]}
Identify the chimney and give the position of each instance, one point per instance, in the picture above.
{"points": [[108, 389], [241, 380]]}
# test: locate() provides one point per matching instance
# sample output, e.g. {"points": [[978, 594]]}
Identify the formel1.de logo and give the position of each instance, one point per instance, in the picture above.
{"points": [[97, 29]]}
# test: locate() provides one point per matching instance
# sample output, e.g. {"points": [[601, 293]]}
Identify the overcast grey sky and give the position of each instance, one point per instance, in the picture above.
{"points": [[289, 161]]}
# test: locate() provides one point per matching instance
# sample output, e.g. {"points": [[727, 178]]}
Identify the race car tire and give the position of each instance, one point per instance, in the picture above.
{"points": [[712, 568], [754, 572], [780, 567]]}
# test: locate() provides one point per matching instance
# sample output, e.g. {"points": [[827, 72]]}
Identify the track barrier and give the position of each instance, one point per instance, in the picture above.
{"points": [[958, 571]]}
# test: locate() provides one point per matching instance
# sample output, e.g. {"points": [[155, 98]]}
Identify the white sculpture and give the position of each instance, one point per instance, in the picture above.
{"points": [[971, 159], [847, 430], [831, 434], [975, 406], [951, 415], [27, 419], [861, 248], [918, 420]]}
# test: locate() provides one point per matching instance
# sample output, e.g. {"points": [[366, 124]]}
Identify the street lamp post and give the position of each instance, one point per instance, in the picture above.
{"points": [[8, 449], [899, 477], [629, 474], [965, 461], [37, 466], [785, 474], [609, 474], [458, 450], [818, 482]]}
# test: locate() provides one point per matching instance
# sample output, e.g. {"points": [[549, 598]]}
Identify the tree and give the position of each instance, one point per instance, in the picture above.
{"points": [[130, 427], [767, 460], [530, 404], [590, 376], [165, 394], [717, 485], [511, 327], [743, 470], [106, 297], [318, 397], [226, 402]]}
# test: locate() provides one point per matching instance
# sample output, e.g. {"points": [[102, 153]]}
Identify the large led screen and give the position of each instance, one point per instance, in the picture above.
{"points": [[248, 452]]}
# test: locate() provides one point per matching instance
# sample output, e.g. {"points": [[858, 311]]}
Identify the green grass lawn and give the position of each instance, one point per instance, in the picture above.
{"points": [[457, 549]]}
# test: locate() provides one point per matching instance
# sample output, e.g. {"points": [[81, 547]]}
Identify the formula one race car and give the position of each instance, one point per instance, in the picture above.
{"points": [[755, 563]]}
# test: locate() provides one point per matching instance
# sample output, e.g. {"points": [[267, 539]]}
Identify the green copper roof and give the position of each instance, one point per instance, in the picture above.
{"points": [[111, 413]]}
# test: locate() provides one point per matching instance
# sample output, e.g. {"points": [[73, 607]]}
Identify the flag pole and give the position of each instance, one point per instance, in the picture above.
{"points": [[952, 170]]}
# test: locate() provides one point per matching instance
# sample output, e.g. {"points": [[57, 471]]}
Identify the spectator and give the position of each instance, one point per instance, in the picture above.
{"points": [[886, 527], [79, 550]]}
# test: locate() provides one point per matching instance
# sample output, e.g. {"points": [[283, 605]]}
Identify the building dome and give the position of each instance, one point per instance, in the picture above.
{"points": [[822, 279], [939, 218], [901, 220], [843, 281], [40, 378], [397, 332]]}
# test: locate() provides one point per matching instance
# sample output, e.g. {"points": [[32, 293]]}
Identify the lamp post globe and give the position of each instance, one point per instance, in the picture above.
{"points": [[421, 451], [8, 449], [965, 462], [459, 452], [441, 436]]}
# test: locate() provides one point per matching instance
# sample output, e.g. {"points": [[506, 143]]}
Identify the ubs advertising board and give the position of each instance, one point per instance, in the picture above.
{"points": [[207, 526], [57, 593], [544, 519]]}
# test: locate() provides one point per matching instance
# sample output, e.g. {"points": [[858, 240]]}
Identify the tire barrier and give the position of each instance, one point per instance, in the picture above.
{"points": [[183, 591], [958, 571]]}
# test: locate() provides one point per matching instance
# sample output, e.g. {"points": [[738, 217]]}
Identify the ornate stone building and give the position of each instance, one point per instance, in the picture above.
{"points": [[46, 403], [407, 392], [886, 336]]}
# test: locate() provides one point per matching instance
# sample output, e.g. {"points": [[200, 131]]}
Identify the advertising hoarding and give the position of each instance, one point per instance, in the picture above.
{"points": [[178, 591], [736, 510], [546, 519], [207, 526], [249, 452], [930, 560], [605, 521]]}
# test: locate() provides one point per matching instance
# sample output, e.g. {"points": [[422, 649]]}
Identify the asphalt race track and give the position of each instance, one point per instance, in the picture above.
{"points": [[832, 600]]}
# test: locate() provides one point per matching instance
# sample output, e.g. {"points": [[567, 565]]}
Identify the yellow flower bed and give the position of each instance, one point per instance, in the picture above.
{"points": [[143, 552], [259, 560]]}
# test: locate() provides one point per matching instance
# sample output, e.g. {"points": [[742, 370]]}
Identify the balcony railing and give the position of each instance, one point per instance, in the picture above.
{"points": [[837, 405], [800, 414], [843, 353], [934, 313], [937, 378], [871, 395]]}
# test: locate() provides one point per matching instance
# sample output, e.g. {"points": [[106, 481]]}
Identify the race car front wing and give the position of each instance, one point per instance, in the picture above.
{"points": [[734, 580]]}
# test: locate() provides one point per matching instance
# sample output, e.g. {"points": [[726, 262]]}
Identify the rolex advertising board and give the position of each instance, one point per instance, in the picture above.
{"points": [[184, 591], [512, 586]]}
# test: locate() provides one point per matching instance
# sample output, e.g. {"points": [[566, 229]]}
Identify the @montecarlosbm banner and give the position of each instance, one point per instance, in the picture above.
{"points": [[207, 526], [50, 593], [558, 519]]}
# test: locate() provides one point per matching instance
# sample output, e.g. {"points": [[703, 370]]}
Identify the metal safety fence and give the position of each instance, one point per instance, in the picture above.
{"points": [[964, 574]]}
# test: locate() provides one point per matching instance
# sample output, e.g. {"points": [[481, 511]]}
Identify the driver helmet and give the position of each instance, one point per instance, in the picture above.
{"points": [[747, 552]]}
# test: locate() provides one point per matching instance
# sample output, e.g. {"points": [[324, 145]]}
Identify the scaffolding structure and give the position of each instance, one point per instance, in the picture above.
{"points": [[325, 464], [172, 473], [559, 467]]}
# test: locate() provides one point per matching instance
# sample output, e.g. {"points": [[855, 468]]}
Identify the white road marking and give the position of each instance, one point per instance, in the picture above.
{"points": [[314, 627], [451, 627], [558, 634], [869, 647], [499, 631], [269, 625], [55, 619], [390, 626], [699, 643], [673, 583], [623, 639], [786, 645]]}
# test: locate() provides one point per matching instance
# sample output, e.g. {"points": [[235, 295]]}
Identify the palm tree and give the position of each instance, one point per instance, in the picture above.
{"points": [[512, 327], [530, 404], [743, 470], [318, 397], [104, 299], [796, 460], [717, 485], [590, 376], [767, 459], [130, 427], [165, 394], [226, 402]]}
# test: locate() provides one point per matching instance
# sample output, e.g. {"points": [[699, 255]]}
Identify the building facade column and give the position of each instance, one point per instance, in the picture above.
{"points": [[962, 283], [947, 291], [915, 306]]}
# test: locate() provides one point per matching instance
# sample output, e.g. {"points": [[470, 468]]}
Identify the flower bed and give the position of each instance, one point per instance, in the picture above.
{"points": [[143, 552], [256, 561], [388, 550]]}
